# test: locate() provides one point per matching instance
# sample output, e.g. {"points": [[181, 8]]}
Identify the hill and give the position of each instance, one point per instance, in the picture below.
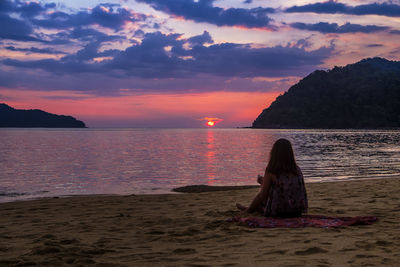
{"points": [[10, 117], [358, 96]]}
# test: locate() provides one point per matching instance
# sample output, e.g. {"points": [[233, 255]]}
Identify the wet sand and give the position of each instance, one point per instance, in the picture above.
{"points": [[191, 230]]}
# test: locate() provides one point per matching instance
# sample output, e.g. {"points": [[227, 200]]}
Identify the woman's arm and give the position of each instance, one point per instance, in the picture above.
{"points": [[260, 179], [262, 194]]}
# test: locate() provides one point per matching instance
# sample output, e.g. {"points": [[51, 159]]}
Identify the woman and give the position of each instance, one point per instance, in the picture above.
{"points": [[282, 192]]}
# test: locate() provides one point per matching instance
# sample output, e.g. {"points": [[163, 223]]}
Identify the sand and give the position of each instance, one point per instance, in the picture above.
{"points": [[191, 230]]}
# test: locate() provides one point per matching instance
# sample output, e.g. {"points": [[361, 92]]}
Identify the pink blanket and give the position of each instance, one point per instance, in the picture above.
{"points": [[304, 221]]}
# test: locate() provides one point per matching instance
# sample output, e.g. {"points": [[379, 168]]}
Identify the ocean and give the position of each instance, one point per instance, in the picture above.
{"points": [[61, 162]]}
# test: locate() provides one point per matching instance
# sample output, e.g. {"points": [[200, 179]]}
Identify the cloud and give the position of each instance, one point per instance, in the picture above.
{"points": [[152, 59], [210, 119], [325, 27], [6, 6], [110, 16], [158, 62], [35, 15], [15, 29], [47, 50], [32, 9], [204, 11], [90, 51], [81, 35], [89, 34], [374, 45], [62, 66], [333, 7], [204, 38], [26, 9]]}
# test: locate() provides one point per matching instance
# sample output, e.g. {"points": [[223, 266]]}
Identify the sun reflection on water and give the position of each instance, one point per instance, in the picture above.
{"points": [[210, 157]]}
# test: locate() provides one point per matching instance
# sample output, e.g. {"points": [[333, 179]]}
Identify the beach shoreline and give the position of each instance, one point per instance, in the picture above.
{"points": [[195, 188], [192, 229]]}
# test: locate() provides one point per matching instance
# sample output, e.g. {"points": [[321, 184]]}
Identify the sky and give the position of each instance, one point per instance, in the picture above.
{"points": [[175, 63]]}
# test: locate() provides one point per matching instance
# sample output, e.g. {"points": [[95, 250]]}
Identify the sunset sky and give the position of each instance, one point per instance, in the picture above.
{"points": [[172, 63]]}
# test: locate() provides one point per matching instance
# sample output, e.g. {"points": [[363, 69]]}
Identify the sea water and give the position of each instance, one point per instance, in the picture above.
{"points": [[59, 162]]}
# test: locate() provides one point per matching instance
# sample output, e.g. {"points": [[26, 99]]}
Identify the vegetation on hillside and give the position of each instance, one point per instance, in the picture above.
{"points": [[361, 95], [10, 117]]}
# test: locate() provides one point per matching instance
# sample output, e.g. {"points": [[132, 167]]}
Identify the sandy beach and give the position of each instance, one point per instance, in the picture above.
{"points": [[191, 229]]}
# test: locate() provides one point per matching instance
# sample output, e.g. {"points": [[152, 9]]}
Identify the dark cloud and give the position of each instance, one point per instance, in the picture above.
{"points": [[204, 11], [395, 32], [88, 34], [244, 61], [62, 67], [89, 52], [333, 7], [81, 35], [139, 33], [329, 7], [204, 38], [374, 45], [104, 85], [26, 9], [152, 59], [6, 6], [31, 9], [111, 16], [107, 15], [325, 27], [7, 79], [15, 29], [47, 50], [159, 62]]}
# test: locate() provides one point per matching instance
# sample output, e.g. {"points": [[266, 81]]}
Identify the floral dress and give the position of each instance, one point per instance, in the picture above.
{"points": [[287, 196]]}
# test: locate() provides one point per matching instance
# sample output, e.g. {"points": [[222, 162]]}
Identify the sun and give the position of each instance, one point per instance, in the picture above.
{"points": [[209, 121]]}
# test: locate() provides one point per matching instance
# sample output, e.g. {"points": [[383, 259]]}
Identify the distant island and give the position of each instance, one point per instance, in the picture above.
{"points": [[10, 117], [364, 95]]}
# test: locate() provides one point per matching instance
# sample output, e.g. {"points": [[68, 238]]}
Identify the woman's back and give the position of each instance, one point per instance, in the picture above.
{"points": [[287, 196], [282, 192]]}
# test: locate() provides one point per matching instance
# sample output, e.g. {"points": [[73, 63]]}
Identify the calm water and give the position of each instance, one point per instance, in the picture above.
{"points": [[41, 162]]}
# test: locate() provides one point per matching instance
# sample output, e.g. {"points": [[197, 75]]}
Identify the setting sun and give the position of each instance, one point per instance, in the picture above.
{"points": [[211, 121]]}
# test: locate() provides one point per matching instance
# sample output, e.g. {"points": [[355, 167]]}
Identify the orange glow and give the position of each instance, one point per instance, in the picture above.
{"points": [[100, 59], [242, 27], [210, 123], [236, 108]]}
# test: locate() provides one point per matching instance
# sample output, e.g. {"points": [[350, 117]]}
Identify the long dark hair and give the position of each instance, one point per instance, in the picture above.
{"points": [[281, 159]]}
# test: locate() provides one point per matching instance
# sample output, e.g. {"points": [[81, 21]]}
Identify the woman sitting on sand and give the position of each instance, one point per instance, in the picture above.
{"points": [[282, 192]]}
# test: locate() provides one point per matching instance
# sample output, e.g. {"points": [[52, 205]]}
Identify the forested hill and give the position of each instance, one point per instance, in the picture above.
{"points": [[361, 95], [10, 117]]}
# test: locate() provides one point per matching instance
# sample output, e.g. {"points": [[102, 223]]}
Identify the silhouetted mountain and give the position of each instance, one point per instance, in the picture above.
{"points": [[361, 95], [10, 117]]}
